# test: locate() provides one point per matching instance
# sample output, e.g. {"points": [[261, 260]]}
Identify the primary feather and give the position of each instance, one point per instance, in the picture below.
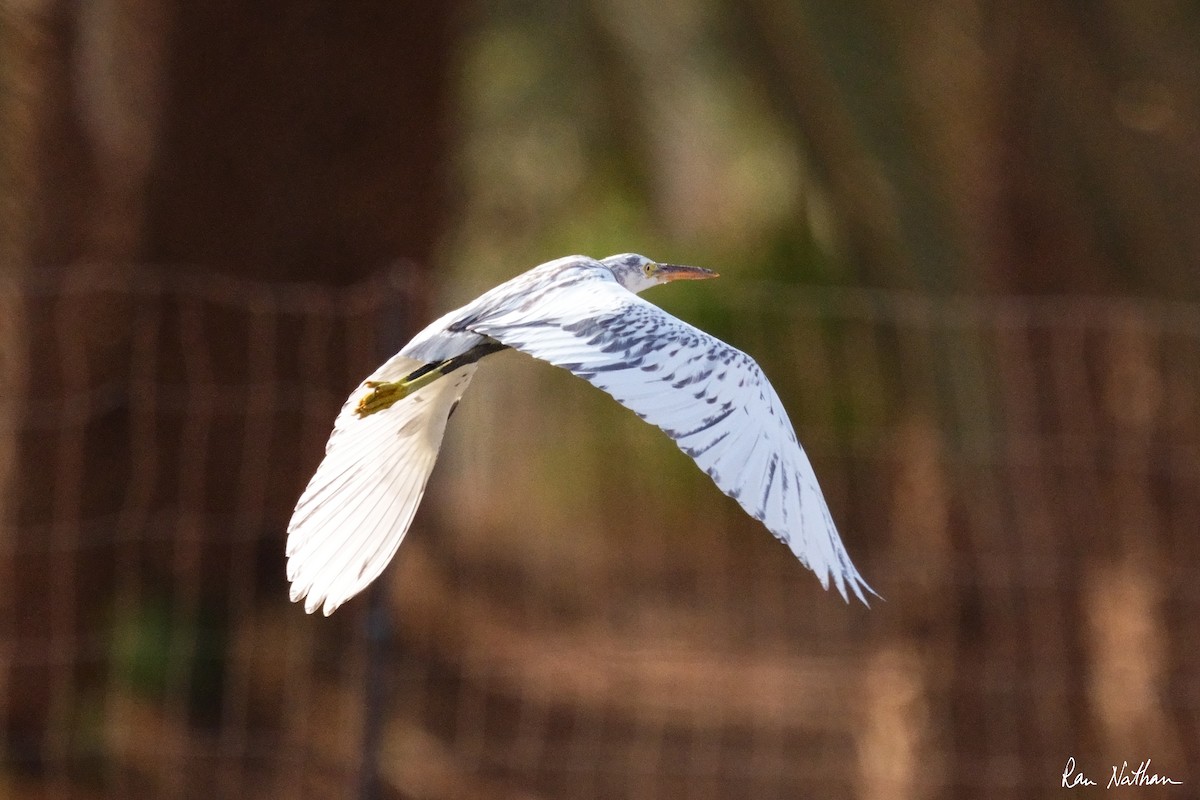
{"points": [[581, 315], [356, 509]]}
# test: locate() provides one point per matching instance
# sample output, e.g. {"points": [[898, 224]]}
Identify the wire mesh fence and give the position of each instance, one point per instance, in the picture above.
{"points": [[577, 611]]}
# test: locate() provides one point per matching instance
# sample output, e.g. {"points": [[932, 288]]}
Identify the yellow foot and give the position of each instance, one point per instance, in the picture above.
{"points": [[383, 395]]}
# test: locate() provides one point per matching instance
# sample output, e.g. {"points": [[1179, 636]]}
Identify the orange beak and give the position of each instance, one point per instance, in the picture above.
{"points": [[678, 272]]}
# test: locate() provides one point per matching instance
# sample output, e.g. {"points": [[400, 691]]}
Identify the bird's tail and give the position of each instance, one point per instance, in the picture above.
{"points": [[361, 501]]}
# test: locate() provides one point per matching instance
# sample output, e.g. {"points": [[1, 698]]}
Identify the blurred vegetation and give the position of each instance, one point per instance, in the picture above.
{"points": [[948, 147]]}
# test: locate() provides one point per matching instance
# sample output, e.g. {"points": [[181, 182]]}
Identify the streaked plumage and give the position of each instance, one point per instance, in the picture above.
{"points": [[584, 316]]}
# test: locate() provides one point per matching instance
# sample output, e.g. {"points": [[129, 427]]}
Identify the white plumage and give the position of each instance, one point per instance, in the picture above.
{"points": [[584, 316]]}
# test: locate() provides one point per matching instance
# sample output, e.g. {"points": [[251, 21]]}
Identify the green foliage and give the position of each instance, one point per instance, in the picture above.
{"points": [[141, 646], [158, 648]]}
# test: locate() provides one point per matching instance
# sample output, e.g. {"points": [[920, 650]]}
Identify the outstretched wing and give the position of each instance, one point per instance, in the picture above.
{"points": [[352, 517], [712, 399]]}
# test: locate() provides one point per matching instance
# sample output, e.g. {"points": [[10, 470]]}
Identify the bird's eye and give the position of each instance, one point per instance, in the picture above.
{"points": [[650, 269]]}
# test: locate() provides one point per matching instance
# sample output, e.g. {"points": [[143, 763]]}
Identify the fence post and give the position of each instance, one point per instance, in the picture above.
{"points": [[377, 632]]}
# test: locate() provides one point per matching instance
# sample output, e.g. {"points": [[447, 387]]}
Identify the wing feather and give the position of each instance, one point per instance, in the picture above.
{"points": [[709, 397], [360, 503]]}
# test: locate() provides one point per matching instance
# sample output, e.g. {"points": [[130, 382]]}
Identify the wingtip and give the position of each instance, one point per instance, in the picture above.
{"points": [[329, 607], [312, 603], [314, 599], [858, 585], [303, 591]]}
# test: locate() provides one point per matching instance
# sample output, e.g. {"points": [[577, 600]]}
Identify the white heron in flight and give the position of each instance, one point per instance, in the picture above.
{"points": [[585, 316]]}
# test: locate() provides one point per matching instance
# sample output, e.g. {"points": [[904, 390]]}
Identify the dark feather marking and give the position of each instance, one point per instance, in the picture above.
{"points": [[767, 487], [783, 487], [638, 346], [693, 378], [589, 325], [648, 346], [613, 366], [709, 446], [704, 425], [799, 501]]}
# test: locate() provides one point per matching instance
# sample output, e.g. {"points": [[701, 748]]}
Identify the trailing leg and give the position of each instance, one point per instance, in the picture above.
{"points": [[385, 394]]}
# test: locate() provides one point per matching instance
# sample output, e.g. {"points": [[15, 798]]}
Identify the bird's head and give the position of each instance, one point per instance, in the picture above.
{"points": [[637, 273]]}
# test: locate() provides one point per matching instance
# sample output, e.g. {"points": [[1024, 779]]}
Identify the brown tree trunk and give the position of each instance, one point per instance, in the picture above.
{"points": [[278, 141]]}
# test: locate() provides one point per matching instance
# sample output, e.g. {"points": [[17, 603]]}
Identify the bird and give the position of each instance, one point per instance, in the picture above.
{"points": [[583, 315]]}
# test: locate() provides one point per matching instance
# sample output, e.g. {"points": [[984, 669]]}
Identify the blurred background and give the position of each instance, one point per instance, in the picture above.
{"points": [[961, 237]]}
